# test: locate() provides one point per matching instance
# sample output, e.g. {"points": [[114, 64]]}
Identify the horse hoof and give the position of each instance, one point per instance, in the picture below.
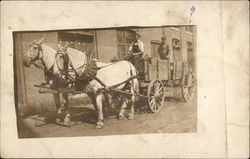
{"points": [[58, 120], [67, 120], [131, 117], [99, 125], [67, 123], [59, 111], [121, 117]]}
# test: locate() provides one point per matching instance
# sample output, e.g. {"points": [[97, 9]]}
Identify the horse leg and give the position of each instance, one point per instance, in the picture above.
{"points": [[133, 89], [57, 102], [123, 107], [99, 101], [66, 106], [132, 110], [93, 99]]}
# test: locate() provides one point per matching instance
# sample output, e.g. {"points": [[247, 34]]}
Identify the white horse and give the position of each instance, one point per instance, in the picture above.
{"points": [[52, 67], [109, 74]]}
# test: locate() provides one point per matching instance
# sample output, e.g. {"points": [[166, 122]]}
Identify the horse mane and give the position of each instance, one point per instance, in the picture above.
{"points": [[77, 58], [48, 55]]}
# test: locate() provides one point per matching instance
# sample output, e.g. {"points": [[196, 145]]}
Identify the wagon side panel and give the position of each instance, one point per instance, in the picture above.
{"points": [[152, 69], [163, 69]]}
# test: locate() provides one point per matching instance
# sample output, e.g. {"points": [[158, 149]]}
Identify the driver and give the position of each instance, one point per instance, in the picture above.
{"points": [[136, 51]]}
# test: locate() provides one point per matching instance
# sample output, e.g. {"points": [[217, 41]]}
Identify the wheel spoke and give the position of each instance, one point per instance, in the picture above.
{"points": [[156, 95], [158, 100], [185, 93], [157, 85], [156, 106], [188, 87], [191, 80], [159, 90], [190, 90], [153, 102], [152, 93]]}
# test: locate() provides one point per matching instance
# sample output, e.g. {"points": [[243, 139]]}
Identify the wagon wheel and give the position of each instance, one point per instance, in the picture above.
{"points": [[155, 95], [187, 88]]}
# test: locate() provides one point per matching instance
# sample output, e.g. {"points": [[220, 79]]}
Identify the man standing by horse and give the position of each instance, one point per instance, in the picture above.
{"points": [[136, 51]]}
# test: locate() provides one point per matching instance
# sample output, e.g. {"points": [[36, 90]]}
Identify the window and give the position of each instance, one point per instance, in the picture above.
{"points": [[176, 49], [189, 29], [80, 40], [154, 48], [189, 46], [124, 38], [190, 53]]}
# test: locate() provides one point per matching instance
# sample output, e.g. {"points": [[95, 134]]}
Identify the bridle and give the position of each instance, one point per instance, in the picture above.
{"points": [[38, 57]]}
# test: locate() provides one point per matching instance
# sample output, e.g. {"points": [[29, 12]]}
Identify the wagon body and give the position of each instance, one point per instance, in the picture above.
{"points": [[167, 74], [164, 70]]}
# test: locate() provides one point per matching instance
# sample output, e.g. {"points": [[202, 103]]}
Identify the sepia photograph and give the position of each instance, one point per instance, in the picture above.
{"points": [[123, 80]]}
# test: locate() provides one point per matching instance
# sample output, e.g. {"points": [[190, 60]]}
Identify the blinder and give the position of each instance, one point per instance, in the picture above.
{"points": [[39, 56]]}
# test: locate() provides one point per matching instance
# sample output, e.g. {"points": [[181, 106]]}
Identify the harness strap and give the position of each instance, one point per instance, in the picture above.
{"points": [[97, 79], [104, 66], [130, 78]]}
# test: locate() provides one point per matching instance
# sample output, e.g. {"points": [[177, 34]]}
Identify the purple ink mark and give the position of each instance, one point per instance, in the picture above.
{"points": [[192, 10], [191, 14]]}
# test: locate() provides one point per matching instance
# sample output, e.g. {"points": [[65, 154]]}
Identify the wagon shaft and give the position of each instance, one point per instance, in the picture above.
{"points": [[127, 93], [45, 89]]}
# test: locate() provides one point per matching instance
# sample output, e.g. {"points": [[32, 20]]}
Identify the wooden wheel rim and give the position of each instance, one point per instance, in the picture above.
{"points": [[188, 87], [156, 95]]}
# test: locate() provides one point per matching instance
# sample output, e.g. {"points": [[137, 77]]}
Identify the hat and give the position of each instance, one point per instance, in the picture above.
{"points": [[137, 34]]}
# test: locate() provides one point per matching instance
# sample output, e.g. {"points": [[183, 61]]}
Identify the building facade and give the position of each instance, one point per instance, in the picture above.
{"points": [[105, 44]]}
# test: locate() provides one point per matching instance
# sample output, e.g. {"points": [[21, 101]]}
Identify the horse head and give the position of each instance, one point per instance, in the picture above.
{"points": [[33, 53]]}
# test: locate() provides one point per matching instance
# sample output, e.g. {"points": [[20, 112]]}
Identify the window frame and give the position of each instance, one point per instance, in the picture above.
{"points": [[176, 47], [125, 43], [155, 42], [189, 29]]}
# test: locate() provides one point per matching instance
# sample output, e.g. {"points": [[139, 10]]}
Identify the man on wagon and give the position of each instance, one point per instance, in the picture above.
{"points": [[136, 51], [163, 50]]}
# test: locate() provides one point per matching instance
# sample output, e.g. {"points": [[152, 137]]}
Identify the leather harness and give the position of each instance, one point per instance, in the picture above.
{"points": [[82, 80]]}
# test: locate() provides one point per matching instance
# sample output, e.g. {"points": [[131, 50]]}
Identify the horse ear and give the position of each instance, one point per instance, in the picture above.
{"points": [[66, 46], [59, 46], [40, 41]]}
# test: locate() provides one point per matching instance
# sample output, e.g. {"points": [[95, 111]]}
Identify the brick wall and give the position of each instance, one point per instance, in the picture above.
{"points": [[36, 102], [106, 44]]}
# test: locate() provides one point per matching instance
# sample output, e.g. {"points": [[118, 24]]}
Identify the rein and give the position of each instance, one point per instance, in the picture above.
{"points": [[104, 66]]}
